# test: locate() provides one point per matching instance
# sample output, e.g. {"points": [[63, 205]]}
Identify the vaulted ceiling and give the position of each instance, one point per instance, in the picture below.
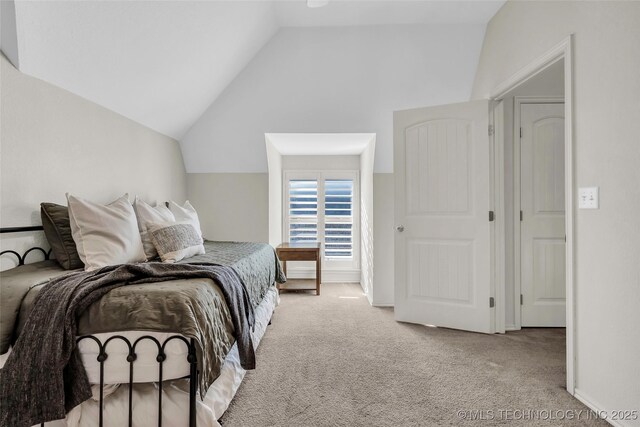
{"points": [[162, 63]]}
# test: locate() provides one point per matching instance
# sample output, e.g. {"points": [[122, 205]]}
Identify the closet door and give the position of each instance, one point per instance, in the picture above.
{"points": [[542, 226]]}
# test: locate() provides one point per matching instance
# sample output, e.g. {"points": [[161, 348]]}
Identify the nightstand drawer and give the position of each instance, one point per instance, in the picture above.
{"points": [[297, 255]]}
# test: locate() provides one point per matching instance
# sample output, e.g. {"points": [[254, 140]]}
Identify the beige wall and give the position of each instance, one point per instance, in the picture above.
{"points": [[53, 142], [607, 154], [231, 206], [235, 206]]}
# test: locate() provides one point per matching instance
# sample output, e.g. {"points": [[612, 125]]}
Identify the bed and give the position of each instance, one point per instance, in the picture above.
{"points": [[143, 361]]}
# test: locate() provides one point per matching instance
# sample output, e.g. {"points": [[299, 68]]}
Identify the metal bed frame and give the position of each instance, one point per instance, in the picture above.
{"points": [[192, 358]]}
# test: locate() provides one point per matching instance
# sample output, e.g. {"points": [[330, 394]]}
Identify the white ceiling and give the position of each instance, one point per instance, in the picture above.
{"points": [[162, 63], [394, 12]]}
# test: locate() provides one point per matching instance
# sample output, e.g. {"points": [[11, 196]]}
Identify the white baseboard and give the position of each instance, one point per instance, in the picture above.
{"points": [[382, 304], [511, 328], [591, 404], [328, 276]]}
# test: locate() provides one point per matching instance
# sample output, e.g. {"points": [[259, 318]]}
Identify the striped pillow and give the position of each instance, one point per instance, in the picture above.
{"points": [[175, 241]]}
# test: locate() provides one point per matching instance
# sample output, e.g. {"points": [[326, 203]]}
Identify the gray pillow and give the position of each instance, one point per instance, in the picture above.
{"points": [[55, 221], [176, 241]]}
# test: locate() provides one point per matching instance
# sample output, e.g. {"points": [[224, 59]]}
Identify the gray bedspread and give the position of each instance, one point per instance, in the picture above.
{"points": [[256, 263]]}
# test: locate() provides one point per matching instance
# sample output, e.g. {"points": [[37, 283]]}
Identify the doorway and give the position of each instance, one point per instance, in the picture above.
{"points": [[533, 189], [551, 70]]}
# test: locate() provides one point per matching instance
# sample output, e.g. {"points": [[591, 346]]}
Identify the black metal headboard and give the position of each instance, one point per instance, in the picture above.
{"points": [[21, 229], [22, 258]]}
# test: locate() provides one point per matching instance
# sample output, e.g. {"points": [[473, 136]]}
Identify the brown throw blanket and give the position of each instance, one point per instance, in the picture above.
{"points": [[44, 378]]}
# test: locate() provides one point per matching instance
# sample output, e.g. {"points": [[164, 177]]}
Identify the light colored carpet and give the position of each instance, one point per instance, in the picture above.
{"points": [[333, 360]]}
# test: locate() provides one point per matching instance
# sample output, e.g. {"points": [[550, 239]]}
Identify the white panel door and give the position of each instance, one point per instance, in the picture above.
{"points": [[543, 224], [442, 248]]}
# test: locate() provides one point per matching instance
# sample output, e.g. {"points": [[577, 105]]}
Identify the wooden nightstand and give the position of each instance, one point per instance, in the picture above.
{"points": [[309, 251]]}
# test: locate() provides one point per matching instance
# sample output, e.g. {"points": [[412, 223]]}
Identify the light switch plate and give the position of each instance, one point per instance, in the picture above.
{"points": [[588, 198]]}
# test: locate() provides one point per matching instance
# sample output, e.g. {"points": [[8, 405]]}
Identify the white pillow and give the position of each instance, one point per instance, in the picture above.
{"points": [[186, 213], [176, 241], [105, 235], [147, 215]]}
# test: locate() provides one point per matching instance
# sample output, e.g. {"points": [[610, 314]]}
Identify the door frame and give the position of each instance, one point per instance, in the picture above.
{"points": [[517, 191], [563, 50], [497, 204]]}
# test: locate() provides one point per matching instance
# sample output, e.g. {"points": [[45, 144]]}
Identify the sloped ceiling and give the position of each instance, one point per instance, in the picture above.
{"points": [[162, 63], [395, 12], [158, 63]]}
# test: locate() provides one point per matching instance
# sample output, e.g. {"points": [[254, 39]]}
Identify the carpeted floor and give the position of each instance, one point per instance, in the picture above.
{"points": [[334, 360]]}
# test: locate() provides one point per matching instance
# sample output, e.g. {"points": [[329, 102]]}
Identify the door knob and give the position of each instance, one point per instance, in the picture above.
{"points": [[400, 228]]}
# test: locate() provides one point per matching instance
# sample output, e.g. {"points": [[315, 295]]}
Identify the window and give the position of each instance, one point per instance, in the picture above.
{"points": [[323, 206]]}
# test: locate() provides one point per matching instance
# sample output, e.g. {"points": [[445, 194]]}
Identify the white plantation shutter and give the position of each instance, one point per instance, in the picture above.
{"points": [[338, 218], [303, 210]]}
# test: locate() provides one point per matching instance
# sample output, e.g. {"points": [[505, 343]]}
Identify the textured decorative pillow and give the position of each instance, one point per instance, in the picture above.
{"points": [[105, 234], [147, 215], [186, 213], [176, 241], [55, 221]]}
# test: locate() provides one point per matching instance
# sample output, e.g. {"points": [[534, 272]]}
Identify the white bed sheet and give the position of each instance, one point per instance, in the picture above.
{"points": [[175, 396]]}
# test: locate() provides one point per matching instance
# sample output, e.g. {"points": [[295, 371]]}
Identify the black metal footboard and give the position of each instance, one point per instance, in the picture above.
{"points": [[160, 358]]}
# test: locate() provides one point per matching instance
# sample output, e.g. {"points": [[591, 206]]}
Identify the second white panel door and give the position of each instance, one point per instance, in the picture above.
{"points": [[542, 225]]}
